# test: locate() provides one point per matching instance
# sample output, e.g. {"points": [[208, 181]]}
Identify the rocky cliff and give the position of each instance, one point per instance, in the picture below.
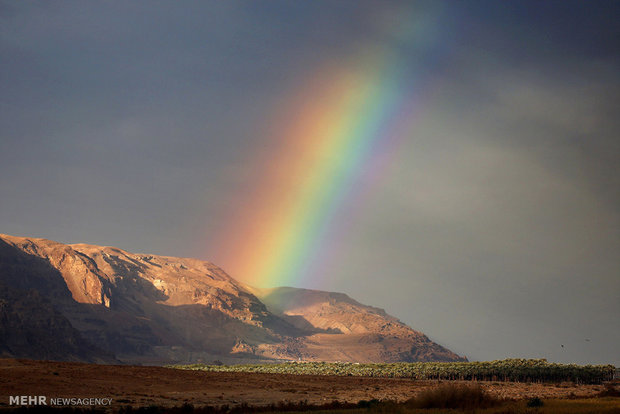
{"points": [[155, 309]]}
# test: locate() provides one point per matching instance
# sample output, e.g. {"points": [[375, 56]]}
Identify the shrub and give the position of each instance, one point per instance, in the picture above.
{"points": [[534, 402], [368, 404], [453, 396], [609, 391]]}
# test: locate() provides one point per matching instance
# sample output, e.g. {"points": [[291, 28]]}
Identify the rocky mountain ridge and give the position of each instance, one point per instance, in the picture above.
{"points": [[140, 308]]}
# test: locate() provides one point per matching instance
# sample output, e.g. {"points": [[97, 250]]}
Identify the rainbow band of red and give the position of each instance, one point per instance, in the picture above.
{"points": [[339, 120]]}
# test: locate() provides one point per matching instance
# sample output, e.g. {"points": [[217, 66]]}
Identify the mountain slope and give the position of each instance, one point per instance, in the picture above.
{"points": [[368, 334], [30, 327], [158, 309]]}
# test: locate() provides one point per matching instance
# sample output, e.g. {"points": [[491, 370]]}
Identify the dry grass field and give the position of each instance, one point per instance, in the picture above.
{"points": [[140, 386]]}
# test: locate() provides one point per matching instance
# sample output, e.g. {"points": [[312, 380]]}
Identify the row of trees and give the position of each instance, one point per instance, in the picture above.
{"points": [[522, 370]]}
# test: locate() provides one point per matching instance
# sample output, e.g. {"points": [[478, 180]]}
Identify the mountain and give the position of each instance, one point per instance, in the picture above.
{"points": [[347, 324], [103, 304]]}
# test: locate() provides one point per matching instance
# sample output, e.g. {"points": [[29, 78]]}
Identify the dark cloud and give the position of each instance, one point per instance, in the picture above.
{"points": [[495, 227]]}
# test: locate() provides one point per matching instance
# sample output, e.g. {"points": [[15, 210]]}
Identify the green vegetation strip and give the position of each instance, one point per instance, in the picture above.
{"points": [[522, 370]]}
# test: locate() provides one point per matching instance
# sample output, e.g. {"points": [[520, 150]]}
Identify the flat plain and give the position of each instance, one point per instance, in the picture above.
{"points": [[141, 386]]}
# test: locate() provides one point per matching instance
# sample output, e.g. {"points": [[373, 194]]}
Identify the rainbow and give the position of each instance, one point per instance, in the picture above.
{"points": [[341, 120]]}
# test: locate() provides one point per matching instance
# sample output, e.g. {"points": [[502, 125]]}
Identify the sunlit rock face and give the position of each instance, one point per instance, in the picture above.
{"points": [[156, 309]]}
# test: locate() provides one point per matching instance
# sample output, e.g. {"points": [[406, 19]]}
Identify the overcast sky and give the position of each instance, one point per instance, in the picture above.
{"points": [[494, 227]]}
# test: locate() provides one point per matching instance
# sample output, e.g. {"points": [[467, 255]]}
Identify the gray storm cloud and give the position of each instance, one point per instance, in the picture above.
{"points": [[494, 228]]}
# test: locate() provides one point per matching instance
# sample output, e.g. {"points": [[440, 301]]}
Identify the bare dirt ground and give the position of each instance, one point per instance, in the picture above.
{"points": [[143, 386]]}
